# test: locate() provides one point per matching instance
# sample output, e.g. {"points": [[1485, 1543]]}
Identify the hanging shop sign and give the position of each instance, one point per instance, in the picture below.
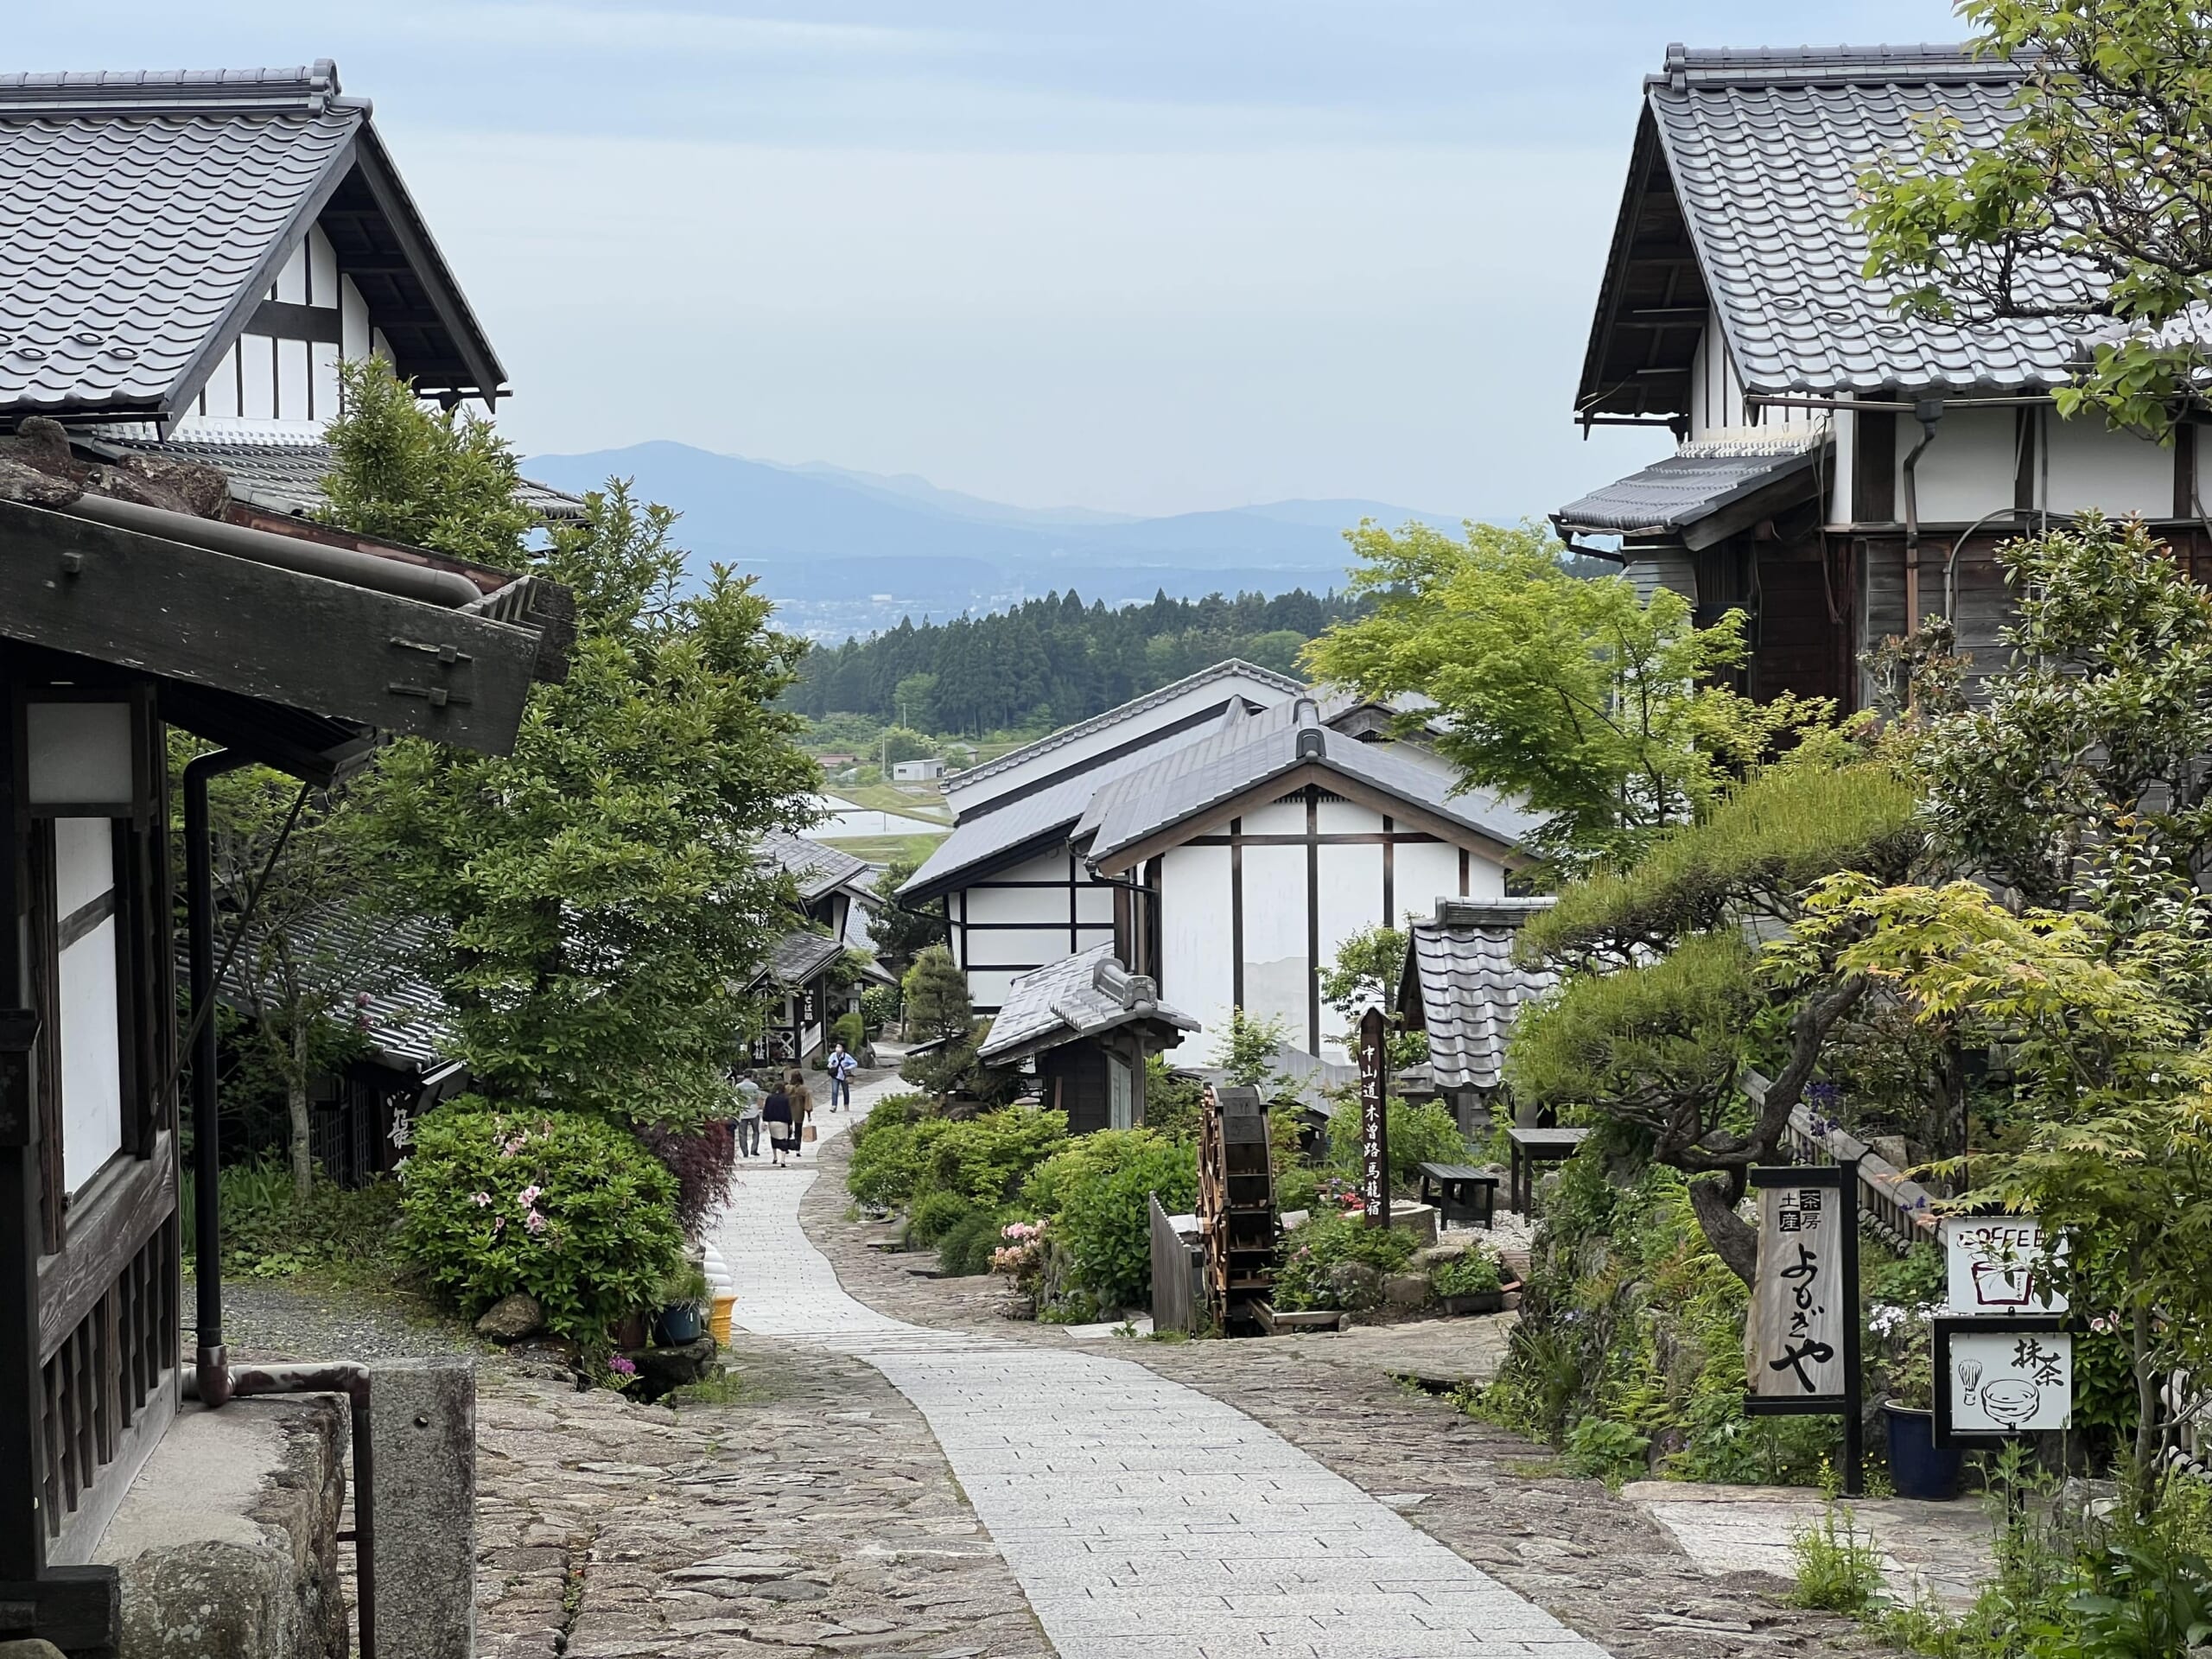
{"points": [[2001, 1375], [1374, 1120], [1802, 1340], [1997, 1266]]}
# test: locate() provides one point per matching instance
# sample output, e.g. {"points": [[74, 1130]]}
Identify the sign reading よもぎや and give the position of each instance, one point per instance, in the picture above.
{"points": [[1996, 1266], [1799, 1301]]}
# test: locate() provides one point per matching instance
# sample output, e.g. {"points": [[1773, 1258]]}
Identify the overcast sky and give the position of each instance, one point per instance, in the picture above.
{"points": [[1153, 256]]}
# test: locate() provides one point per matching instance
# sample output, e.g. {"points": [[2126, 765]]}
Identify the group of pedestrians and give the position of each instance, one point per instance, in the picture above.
{"points": [[783, 1103]]}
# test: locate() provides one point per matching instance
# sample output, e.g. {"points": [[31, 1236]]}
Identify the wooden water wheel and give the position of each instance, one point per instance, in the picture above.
{"points": [[1236, 1203]]}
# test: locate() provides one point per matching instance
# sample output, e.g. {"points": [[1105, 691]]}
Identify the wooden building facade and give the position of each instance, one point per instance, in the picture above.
{"points": [[1841, 473]]}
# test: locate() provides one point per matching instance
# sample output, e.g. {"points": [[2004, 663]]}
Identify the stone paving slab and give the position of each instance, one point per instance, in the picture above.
{"points": [[1042, 1439]]}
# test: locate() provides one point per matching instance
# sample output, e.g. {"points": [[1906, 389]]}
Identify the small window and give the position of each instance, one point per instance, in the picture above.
{"points": [[1119, 1093]]}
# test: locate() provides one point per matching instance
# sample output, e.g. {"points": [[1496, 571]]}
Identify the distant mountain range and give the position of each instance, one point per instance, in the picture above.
{"points": [[847, 552]]}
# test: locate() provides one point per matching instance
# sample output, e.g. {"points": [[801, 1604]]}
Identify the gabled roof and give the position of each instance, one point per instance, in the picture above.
{"points": [[1122, 715], [1244, 754], [818, 868], [1463, 987], [143, 217], [797, 957], [400, 1015], [1080, 995], [1705, 492], [1741, 192]]}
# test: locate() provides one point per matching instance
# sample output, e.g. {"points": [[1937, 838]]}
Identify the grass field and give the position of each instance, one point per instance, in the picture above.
{"points": [[881, 849], [889, 798]]}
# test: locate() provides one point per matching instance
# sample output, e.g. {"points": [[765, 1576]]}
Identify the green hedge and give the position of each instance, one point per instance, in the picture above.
{"points": [[1095, 1196]]}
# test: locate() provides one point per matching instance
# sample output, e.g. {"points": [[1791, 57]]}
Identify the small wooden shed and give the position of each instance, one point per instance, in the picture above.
{"points": [[1089, 1025]]}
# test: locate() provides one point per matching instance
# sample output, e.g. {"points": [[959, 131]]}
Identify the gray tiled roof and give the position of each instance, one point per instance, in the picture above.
{"points": [[1462, 982], [1671, 495], [398, 1012], [143, 217], [1121, 714], [798, 956], [817, 868], [1240, 755], [285, 473], [1765, 148], [1080, 995]]}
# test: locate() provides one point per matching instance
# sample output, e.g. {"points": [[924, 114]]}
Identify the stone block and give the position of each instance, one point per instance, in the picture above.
{"points": [[422, 1502], [512, 1319], [1406, 1289], [226, 1545], [1419, 1219]]}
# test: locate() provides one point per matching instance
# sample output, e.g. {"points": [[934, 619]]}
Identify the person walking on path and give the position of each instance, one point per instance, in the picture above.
{"points": [[842, 1066], [802, 1101], [750, 1097], [783, 1133]]}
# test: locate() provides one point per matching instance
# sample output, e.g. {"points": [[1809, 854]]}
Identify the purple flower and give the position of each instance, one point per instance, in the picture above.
{"points": [[535, 1222], [528, 1196], [480, 1199], [622, 1365]]}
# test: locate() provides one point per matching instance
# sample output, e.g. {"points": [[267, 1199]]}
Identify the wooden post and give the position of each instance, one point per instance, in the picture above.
{"points": [[1375, 1118]]}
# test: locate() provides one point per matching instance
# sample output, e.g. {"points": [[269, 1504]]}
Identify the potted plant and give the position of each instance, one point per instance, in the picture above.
{"points": [[1471, 1283], [684, 1296], [1918, 1467]]}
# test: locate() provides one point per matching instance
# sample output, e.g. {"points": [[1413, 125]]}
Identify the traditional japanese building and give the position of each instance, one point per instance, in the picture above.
{"points": [[181, 251], [1225, 835], [1086, 1025], [805, 982], [1841, 473]]}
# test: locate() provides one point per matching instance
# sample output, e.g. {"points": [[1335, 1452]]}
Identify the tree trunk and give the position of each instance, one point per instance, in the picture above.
{"points": [[296, 1098], [2147, 1400], [1734, 1240]]}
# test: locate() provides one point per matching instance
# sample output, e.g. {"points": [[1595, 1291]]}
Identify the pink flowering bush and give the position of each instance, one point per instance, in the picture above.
{"points": [[570, 1208], [1021, 1255]]}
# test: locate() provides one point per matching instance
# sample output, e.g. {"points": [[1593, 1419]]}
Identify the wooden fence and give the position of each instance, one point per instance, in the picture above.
{"points": [[1177, 1268]]}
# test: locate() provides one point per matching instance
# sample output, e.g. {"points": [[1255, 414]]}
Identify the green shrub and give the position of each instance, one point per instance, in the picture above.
{"points": [[937, 1215], [985, 1160], [1838, 1568], [268, 1231], [850, 1030], [1096, 1192], [1475, 1274], [569, 1208], [966, 1250], [1427, 1133], [1326, 1242], [888, 1146], [1601, 1449]]}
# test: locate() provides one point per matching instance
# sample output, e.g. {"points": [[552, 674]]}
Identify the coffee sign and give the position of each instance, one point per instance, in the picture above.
{"points": [[1996, 1266], [1799, 1300]]}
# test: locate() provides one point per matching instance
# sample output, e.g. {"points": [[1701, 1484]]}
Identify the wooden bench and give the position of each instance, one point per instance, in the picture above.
{"points": [[1460, 1192]]}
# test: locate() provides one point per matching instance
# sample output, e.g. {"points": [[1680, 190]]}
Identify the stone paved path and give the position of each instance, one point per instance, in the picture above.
{"points": [[1141, 1517]]}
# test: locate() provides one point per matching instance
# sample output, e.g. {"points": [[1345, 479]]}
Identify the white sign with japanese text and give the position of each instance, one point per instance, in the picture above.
{"points": [[1997, 1266], [2010, 1382], [1799, 1301]]}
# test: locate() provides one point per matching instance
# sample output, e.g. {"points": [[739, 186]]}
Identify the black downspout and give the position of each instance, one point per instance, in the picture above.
{"points": [[212, 1361]]}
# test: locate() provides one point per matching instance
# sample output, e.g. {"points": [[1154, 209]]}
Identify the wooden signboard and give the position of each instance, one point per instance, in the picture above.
{"points": [[1996, 1266], [1999, 1376], [1801, 1340], [1374, 1120]]}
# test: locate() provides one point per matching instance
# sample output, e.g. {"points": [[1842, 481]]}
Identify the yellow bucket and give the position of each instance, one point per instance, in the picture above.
{"points": [[718, 1320]]}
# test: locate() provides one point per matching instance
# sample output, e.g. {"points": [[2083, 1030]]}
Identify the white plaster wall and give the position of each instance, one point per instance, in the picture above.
{"points": [[91, 1023], [1277, 819], [1278, 975], [263, 380], [2116, 472], [1350, 891], [1428, 871], [1968, 471], [1346, 818], [987, 988], [1022, 947], [1196, 973]]}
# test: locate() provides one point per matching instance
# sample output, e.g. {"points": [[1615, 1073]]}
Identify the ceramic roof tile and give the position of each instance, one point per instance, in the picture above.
{"points": [[1079, 995], [137, 211], [1766, 149], [1671, 494], [1470, 990]]}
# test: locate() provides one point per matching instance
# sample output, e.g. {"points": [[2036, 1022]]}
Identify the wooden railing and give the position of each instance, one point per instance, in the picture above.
{"points": [[108, 1390], [1900, 1210]]}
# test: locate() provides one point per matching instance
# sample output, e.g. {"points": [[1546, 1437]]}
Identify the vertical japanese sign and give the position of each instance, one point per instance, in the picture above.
{"points": [[1374, 1120], [1800, 1301]]}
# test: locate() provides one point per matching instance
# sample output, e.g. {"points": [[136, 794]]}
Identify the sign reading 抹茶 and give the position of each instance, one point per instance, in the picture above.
{"points": [[2001, 1375], [1374, 1121], [1997, 1265], [1800, 1302]]}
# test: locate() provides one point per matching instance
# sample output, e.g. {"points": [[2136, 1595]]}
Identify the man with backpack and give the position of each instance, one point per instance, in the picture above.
{"points": [[840, 1067]]}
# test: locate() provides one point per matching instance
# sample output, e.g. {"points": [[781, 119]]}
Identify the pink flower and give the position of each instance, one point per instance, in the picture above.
{"points": [[514, 1146], [535, 1222], [480, 1199], [622, 1365], [498, 1225], [528, 1196]]}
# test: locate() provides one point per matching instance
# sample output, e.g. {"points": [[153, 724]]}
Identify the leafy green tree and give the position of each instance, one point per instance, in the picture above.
{"points": [[915, 696], [1248, 1053], [602, 885], [902, 743], [1365, 974], [902, 932], [444, 482], [1602, 711], [2098, 174]]}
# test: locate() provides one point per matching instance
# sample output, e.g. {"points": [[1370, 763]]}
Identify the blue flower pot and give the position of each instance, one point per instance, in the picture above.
{"points": [[678, 1325], [1918, 1468]]}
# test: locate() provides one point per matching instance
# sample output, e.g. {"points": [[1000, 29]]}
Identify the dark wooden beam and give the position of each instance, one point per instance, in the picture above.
{"points": [[281, 320], [304, 642], [108, 1223]]}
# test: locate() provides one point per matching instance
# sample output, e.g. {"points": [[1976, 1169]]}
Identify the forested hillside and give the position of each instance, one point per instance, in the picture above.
{"points": [[1055, 659]]}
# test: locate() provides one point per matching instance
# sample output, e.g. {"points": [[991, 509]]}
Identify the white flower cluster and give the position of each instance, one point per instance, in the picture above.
{"points": [[1888, 1318]]}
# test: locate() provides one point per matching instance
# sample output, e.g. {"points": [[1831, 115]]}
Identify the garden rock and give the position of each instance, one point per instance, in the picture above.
{"points": [[664, 1371], [511, 1320], [1406, 1289], [1356, 1285]]}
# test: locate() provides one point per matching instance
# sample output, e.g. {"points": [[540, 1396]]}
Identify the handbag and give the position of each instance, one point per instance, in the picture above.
{"points": [[807, 1134]]}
